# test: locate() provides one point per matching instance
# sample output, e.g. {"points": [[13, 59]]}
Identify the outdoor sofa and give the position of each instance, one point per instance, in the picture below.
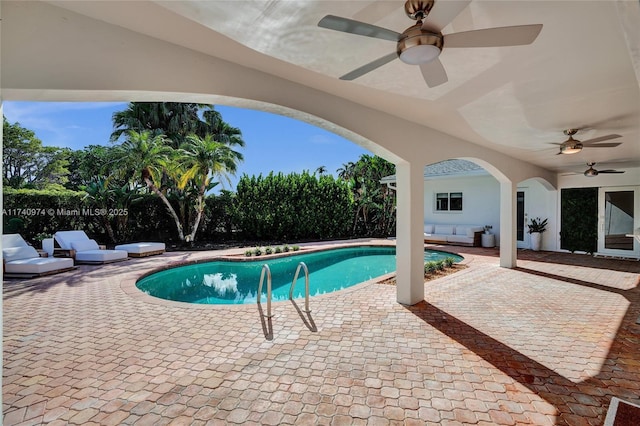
{"points": [[19, 259], [460, 235], [77, 245]]}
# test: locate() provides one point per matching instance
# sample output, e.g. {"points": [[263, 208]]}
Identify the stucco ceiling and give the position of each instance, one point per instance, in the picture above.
{"points": [[583, 71]]}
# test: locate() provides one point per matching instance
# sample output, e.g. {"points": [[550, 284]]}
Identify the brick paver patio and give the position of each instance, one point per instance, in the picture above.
{"points": [[550, 342]]}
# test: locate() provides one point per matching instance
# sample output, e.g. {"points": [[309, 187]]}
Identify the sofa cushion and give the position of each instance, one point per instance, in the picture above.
{"points": [[436, 238], [10, 254], [84, 245], [459, 239], [468, 230], [443, 229]]}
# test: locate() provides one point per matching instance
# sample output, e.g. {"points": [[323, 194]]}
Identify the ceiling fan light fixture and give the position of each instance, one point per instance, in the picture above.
{"points": [[571, 149], [418, 55]]}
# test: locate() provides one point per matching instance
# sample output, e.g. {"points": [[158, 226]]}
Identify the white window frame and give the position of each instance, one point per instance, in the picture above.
{"points": [[449, 198]]}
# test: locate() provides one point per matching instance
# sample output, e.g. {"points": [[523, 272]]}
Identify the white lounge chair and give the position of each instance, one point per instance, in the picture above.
{"points": [[142, 249], [77, 245], [21, 260]]}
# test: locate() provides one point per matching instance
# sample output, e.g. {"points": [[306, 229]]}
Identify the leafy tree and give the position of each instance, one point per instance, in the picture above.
{"points": [[89, 164], [375, 203], [26, 163]]}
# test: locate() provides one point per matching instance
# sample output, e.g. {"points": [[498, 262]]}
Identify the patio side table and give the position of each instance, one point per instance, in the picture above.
{"points": [[488, 240]]}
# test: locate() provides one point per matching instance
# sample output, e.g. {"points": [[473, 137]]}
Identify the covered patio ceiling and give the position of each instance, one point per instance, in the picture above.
{"points": [[582, 71]]}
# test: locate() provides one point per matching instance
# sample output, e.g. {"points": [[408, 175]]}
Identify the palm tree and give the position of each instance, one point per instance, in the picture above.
{"points": [[99, 195], [202, 159], [147, 158], [175, 120], [321, 170], [347, 170], [222, 131]]}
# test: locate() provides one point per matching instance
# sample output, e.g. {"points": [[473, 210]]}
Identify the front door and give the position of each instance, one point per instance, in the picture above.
{"points": [[618, 218], [522, 236]]}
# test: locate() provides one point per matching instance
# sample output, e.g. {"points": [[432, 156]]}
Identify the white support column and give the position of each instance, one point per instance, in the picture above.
{"points": [[508, 220], [410, 233]]}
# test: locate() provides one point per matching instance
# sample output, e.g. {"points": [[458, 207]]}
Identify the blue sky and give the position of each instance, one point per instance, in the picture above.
{"points": [[273, 142]]}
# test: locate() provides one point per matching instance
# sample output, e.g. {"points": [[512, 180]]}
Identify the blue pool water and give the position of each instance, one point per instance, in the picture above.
{"points": [[232, 282]]}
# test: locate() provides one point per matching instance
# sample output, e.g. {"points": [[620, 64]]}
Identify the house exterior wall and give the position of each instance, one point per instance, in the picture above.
{"points": [[481, 205], [480, 202]]}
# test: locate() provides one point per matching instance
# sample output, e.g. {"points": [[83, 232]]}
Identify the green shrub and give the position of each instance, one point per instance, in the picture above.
{"points": [[430, 267], [285, 248], [257, 251], [278, 249], [268, 250], [449, 261], [296, 248], [440, 265], [294, 206], [248, 253]]}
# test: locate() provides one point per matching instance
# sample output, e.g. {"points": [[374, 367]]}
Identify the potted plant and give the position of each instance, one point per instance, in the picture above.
{"points": [[487, 229], [536, 228]]}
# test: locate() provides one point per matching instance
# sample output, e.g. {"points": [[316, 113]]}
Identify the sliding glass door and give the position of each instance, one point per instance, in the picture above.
{"points": [[618, 217]]}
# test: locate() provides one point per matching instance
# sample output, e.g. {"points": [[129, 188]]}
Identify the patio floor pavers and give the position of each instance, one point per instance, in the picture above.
{"points": [[550, 342]]}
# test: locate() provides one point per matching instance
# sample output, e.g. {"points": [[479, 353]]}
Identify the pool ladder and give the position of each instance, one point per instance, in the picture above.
{"points": [[267, 272]]}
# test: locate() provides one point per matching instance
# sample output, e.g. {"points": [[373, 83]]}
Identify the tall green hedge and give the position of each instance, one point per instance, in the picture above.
{"points": [[579, 219], [293, 207], [31, 212]]}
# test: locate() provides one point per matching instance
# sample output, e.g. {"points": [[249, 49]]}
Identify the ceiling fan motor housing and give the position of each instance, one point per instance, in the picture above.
{"points": [[571, 146], [419, 46]]}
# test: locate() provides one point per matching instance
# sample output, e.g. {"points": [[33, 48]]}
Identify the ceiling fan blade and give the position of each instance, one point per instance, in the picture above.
{"points": [[601, 139], [369, 67], [602, 145], [434, 73], [494, 37], [610, 171], [351, 26], [443, 13]]}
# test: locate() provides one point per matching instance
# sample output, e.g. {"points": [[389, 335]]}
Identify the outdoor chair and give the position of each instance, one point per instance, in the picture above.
{"points": [[19, 259], [78, 245]]}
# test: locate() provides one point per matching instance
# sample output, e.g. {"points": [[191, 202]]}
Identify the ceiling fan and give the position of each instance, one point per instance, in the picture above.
{"points": [[422, 43], [573, 146], [591, 172]]}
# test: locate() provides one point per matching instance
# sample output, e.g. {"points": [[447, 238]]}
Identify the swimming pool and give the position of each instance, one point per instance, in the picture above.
{"points": [[233, 282]]}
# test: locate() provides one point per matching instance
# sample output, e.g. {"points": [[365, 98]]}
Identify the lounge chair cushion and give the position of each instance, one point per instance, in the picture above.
{"points": [[100, 256], [10, 254], [64, 238], [141, 248], [84, 245], [13, 240], [37, 265]]}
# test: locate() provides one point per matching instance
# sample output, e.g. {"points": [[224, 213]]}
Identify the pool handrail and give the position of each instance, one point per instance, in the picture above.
{"points": [[306, 285], [265, 267]]}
